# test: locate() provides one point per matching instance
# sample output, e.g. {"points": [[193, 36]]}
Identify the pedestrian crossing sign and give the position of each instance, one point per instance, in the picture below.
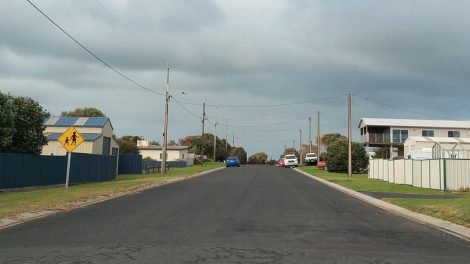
{"points": [[70, 139]]}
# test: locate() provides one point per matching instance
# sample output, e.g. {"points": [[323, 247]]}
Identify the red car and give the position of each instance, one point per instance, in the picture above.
{"points": [[281, 163], [321, 164]]}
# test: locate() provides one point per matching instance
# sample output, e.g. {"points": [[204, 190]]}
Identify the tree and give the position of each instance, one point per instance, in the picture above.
{"points": [[330, 138], [258, 158], [28, 129], [306, 149], [194, 143], [128, 144], [240, 153], [337, 156], [84, 112], [154, 143], [290, 151], [7, 122]]}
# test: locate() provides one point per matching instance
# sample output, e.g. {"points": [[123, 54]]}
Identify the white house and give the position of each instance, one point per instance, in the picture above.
{"points": [[392, 133], [174, 153], [437, 147], [97, 132]]}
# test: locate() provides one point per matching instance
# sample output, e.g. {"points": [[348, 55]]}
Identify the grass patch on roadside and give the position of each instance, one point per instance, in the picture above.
{"points": [[30, 200], [456, 210], [360, 182]]}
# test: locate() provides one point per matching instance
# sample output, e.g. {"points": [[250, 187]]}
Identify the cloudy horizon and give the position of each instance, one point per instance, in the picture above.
{"points": [[399, 59]]}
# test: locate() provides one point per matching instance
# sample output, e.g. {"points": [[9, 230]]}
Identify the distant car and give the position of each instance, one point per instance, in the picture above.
{"points": [[290, 161], [280, 163], [232, 162], [311, 159], [321, 164]]}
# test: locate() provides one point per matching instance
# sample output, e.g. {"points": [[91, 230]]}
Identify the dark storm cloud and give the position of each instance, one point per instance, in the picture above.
{"points": [[412, 55]]}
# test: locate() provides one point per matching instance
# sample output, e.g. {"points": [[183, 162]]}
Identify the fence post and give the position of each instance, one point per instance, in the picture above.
{"points": [[445, 174]]}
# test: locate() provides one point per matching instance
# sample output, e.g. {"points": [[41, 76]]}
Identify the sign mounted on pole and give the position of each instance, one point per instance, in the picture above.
{"points": [[71, 139]]}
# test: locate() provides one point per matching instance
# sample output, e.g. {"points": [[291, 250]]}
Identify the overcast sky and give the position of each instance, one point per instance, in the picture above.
{"points": [[411, 59]]}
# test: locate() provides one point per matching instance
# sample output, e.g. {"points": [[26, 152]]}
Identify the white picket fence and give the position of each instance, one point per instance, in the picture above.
{"points": [[439, 174]]}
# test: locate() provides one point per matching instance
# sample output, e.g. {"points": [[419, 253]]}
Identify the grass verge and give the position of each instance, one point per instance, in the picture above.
{"points": [[58, 198], [456, 210]]}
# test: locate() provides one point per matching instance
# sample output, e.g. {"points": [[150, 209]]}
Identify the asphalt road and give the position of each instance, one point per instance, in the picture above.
{"points": [[252, 214]]}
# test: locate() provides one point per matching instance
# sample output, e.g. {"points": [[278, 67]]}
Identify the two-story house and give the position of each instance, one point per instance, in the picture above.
{"points": [[392, 133]]}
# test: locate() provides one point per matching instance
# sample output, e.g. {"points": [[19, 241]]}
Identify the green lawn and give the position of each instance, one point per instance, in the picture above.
{"points": [[59, 198], [456, 210], [360, 182]]}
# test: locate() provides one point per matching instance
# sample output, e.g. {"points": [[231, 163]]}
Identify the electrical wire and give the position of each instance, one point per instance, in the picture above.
{"points": [[92, 53], [185, 109], [268, 105], [366, 99]]}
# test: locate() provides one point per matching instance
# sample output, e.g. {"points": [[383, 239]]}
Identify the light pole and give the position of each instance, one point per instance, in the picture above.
{"points": [[165, 128], [215, 138]]}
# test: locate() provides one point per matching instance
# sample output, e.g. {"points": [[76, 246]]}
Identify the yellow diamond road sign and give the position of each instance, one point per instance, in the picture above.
{"points": [[71, 139]]}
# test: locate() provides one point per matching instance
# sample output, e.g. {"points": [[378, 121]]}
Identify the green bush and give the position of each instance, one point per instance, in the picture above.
{"points": [[337, 157]]}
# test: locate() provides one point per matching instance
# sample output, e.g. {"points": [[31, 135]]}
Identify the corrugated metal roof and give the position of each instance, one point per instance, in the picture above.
{"points": [[96, 121], [51, 120], [413, 123], [76, 121], [86, 136], [65, 121]]}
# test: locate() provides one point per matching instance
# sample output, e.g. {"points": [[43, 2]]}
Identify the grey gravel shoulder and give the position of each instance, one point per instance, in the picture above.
{"points": [[446, 226]]}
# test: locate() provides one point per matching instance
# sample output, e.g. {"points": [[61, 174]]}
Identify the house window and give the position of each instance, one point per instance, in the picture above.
{"points": [[428, 133], [453, 134], [161, 155], [400, 136], [182, 156]]}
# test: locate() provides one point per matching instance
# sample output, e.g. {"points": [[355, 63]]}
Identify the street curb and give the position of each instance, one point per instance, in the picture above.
{"points": [[446, 226], [24, 217]]}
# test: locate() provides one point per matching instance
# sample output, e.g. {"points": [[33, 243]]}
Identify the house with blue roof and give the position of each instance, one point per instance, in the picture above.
{"points": [[97, 132]]}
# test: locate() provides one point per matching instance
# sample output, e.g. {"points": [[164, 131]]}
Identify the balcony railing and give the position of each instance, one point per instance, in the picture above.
{"points": [[378, 138]]}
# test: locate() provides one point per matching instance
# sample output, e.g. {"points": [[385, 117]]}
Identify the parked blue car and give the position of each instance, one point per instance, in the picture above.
{"points": [[232, 162]]}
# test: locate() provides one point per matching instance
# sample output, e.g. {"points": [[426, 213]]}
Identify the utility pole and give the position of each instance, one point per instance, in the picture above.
{"points": [[215, 138], [318, 136], [349, 136], [293, 146], [310, 134], [202, 135], [300, 149], [165, 128], [233, 141], [226, 136]]}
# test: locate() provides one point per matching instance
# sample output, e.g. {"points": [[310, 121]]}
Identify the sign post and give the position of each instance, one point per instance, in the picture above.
{"points": [[70, 139]]}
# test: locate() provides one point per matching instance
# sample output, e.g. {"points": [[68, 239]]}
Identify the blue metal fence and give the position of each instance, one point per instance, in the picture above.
{"points": [[130, 164], [92, 168], [25, 170]]}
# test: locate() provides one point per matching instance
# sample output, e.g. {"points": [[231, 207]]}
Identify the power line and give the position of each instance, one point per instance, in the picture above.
{"points": [[398, 107], [184, 108], [122, 24], [268, 105], [92, 53]]}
